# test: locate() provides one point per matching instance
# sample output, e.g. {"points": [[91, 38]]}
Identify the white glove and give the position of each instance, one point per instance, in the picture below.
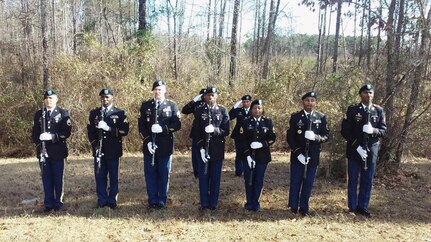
{"points": [[209, 129], [251, 162], [197, 98], [362, 153], [204, 159], [304, 160], [103, 125], [45, 136], [368, 128], [150, 148], [310, 135], [156, 128], [256, 145], [236, 105]]}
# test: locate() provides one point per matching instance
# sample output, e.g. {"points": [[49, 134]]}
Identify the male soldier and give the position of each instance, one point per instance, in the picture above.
{"points": [[307, 130], [188, 109], [51, 127], [258, 134], [106, 128], [212, 129], [239, 111], [159, 119], [362, 127]]}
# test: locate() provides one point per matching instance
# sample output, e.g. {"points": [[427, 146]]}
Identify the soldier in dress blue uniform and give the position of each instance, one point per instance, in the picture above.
{"points": [[188, 109], [362, 127], [107, 125], [212, 128], [239, 111], [159, 119], [256, 135], [58, 127], [307, 130]]}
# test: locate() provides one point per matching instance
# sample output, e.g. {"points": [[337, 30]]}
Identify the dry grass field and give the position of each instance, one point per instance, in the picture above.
{"points": [[400, 205]]}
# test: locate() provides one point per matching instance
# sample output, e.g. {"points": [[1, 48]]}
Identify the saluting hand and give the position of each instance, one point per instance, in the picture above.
{"points": [[237, 104]]}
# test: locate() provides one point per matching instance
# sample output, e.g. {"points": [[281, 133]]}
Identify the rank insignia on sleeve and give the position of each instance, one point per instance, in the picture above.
{"points": [[69, 122]]}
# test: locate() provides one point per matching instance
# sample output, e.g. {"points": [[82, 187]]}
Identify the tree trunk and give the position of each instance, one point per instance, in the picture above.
{"points": [[233, 41], [53, 27], [44, 44], [369, 37], [415, 87], [387, 151], [337, 37], [73, 9], [209, 21], [142, 15], [220, 36]]}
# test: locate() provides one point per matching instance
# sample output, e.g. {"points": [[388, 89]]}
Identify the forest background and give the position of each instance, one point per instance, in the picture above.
{"points": [[78, 47]]}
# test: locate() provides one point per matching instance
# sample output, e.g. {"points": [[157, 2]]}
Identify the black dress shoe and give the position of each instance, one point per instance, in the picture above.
{"points": [[363, 212], [294, 210], [304, 213], [47, 210], [203, 208], [113, 206]]}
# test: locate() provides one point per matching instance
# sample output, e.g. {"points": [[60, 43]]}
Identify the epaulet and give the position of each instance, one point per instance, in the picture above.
{"points": [[247, 118]]}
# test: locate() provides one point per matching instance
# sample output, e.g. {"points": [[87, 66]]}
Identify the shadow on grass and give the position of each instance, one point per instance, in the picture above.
{"points": [[404, 200]]}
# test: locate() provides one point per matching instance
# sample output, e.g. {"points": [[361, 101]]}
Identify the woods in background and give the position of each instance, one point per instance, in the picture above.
{"points": [[80, 46]]}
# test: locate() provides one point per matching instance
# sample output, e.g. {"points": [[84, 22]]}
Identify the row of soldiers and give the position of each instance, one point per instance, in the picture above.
{"points": [[253, 133]]}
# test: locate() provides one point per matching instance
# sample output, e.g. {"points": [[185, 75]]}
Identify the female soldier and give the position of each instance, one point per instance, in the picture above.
{"points": [[257, 135]]}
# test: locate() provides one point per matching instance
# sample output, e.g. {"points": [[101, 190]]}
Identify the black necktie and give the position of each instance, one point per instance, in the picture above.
{"points": [[49, 113]]}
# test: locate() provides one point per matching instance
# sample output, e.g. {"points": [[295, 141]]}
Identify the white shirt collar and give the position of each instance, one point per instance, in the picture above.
{"points": [[51, 109], [109, 107]]}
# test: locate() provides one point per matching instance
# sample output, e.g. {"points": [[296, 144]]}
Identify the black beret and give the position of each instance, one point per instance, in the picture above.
{"points": [[158, 83], [211, 90], [366, 87], [202, 91], [105, 91], [246, 97], [49, 92], [256, 102], [309, 94]]}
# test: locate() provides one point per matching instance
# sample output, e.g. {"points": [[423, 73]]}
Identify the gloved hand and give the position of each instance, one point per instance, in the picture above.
{"points": [[197, 98], [45, 136], [204, 158], [368, 128], [150, 148], [103, 125], [156, 128], [251, 162], [236, 105], [363, 153], [304, 160], [310, 135], [209, 129], [256, 145]]}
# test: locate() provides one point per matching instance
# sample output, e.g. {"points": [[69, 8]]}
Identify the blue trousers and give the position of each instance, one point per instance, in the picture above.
{"points": [[195, 158], [209, 184], [238, 161], [300, 189], [157, 179], [52, 180], [108, 166], [254, 191], [355, 170]]}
